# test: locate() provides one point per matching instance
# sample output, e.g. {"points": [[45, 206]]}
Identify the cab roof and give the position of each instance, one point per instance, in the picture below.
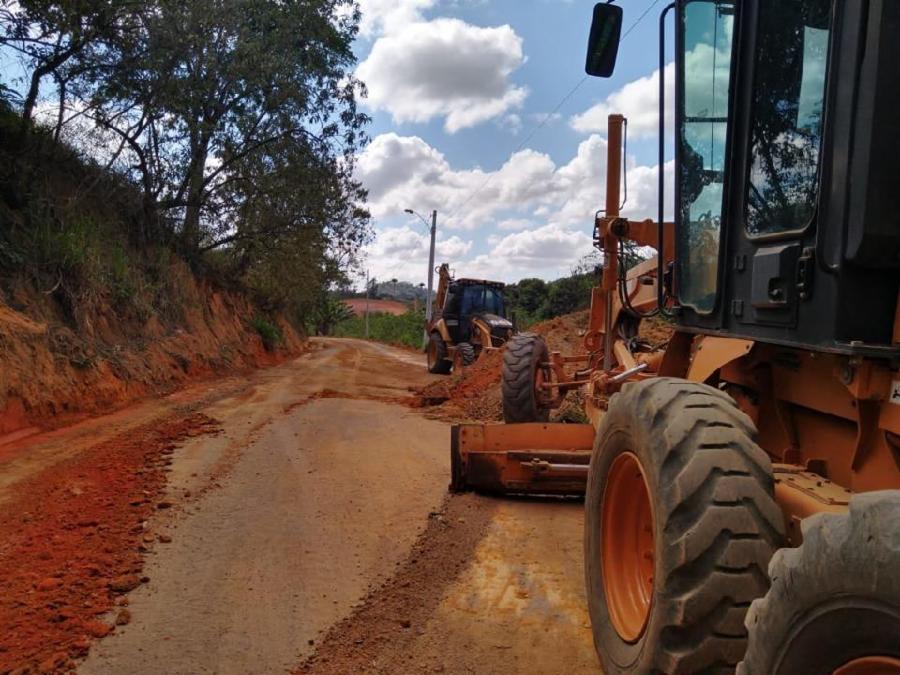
{"points": [[479, 282]]}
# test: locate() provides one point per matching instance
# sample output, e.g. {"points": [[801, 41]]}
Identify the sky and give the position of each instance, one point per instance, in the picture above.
{"points": [[470, 117], [481, 110]]}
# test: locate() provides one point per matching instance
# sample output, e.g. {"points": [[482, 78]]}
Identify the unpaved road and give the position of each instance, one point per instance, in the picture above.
{"points": [[313, 533]]}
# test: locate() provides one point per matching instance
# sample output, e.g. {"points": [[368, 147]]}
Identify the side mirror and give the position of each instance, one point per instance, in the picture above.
{"points": [[603, 45]]}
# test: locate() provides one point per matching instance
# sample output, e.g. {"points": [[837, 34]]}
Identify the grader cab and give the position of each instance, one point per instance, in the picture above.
{"points": [[742, 483]]}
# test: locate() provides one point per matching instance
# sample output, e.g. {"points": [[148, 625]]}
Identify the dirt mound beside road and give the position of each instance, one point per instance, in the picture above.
{"points": [[473, 394]]}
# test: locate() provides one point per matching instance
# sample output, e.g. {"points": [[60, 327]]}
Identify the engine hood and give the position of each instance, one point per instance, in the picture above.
{"points": [[494, 320]]}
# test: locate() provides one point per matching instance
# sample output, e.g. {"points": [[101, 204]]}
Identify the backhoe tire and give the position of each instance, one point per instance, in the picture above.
{"points": [[525, 352], [437, 355], [835, 598], [680, 524], [466, 353]]}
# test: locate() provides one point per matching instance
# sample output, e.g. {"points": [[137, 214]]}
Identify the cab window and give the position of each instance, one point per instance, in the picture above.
{"points": [[705, 72], [788, 105]]}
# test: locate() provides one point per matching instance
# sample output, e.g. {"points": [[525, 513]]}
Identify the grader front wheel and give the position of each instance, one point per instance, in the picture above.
{"points": [[680, 523], [523, 373]]}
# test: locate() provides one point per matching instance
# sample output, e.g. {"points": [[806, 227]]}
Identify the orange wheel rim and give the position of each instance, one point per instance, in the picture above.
{"points": [[627, 547], [870, 665]]}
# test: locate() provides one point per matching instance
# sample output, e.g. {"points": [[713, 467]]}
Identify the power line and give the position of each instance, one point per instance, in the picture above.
{"points": [[639, 19], [548, 116]]}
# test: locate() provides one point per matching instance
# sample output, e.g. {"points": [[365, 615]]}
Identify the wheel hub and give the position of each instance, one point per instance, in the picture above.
{"points": [[870, 665], [627, 547]]}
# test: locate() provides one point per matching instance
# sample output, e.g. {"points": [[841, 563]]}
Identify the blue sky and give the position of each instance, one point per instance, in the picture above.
{"points": [[456, 86]]}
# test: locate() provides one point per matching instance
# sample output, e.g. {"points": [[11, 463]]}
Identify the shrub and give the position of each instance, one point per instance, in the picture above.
{"points": [[406, 329], [268, 331]]}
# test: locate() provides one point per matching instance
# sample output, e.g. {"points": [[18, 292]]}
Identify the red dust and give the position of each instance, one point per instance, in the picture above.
{"points": [[72, 542]]}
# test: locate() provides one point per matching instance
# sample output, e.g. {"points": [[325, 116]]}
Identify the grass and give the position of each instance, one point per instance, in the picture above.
{"points": [[268, 331], [405, 329]]}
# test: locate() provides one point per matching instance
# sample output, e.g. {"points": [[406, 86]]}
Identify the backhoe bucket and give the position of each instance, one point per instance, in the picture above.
{"points": [[534, 458]]}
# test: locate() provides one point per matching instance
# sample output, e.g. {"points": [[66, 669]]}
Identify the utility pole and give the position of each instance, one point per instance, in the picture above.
{"points": [[428, 303], [431, 266], [367, 304]]}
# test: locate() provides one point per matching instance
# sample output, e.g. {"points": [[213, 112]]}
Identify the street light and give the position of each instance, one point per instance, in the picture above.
{"points": [[433, 229]]}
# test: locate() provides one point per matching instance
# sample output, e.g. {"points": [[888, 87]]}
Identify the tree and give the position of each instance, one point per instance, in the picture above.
{"points": [[52, 38], [216, 95], [532, 294], [567, 295], [235, 119], [329, 312]]}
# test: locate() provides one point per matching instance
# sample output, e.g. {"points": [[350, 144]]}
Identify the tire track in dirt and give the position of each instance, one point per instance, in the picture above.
{"points": [[383, 627]]}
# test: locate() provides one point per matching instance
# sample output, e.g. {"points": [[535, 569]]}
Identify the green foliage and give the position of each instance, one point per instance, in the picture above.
{"points": [[532, 294], [533, 300], [328, 312], [406, 329], [268, 331], [222, 133]]}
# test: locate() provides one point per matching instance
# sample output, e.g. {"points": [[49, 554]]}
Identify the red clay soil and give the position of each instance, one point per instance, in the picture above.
{"points": [[52, 374], [72, 538], [474, 393], [358, 306]]}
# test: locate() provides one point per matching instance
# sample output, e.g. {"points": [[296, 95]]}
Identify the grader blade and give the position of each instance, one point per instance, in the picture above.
{"points": [[533, 458]]}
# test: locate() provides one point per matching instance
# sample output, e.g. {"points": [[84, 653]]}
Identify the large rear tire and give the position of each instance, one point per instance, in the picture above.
{"points": [[834, 604], [680, 524], [436, 351], [522, 373]]}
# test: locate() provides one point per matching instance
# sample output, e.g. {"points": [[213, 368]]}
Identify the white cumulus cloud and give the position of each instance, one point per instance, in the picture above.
{"points": [[638, 101], [402, 253], [528, 189], [383, 16], [447, 69]]}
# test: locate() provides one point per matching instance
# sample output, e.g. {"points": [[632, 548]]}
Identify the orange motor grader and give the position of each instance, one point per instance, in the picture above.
{"points": [[742, 483]]}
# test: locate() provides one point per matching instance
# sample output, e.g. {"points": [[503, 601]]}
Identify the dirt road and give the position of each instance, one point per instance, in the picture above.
{"points": [[299, 523]]}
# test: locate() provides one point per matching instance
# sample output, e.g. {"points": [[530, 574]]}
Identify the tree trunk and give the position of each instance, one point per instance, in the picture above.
{"points": [[190, 232]]}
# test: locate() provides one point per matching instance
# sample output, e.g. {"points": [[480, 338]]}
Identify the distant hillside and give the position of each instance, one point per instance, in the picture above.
{"points": [[358, 306], [402, 291]]}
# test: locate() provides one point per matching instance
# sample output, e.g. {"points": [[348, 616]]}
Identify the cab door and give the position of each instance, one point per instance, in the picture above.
{"points": [[778, 140]]}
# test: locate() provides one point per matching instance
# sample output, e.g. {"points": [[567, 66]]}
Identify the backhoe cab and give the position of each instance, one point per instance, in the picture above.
{"points": [[469, 320], [742, 487]]}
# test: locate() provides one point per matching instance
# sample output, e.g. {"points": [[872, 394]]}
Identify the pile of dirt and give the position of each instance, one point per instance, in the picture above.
{"points": [[474, 393], [52, 371], [73, 536]]}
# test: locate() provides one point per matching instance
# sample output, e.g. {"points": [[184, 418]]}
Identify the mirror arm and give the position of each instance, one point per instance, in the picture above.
{"points": [[660, 229]]}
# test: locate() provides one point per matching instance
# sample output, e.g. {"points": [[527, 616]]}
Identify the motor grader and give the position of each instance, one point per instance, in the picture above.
{"points": [[469, 320], [742, 508]]}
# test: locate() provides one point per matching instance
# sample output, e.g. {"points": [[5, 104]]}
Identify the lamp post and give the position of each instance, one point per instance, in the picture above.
{"points": [[367, 304], [433, 228]]}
